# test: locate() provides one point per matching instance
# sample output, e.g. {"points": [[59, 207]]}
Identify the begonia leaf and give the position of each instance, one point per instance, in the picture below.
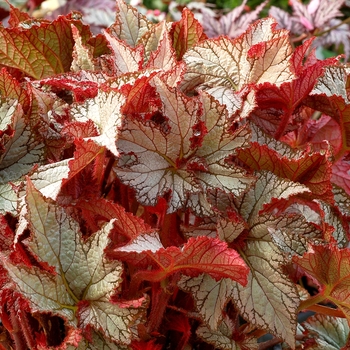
{"points": [[321, 133], [210, 296], [82, 280], [11, 88], [17, 16], [332, 332], [232, 24], [268, 289], [164, 56], [82, 54], [183, 153], [20, 148], [316, 13], [198, 255], [222, 337], [129, 25], [278, 105], [341, 175], [141, 98], [86, 152], [267, 187], [48, 178], [268, 286], [124, 58], [127, 226], [330, 267], [152, 39], [37, 48], [104, 111], [342, 199], [313, 170], [251, 58], [330, 96], [186, 33]]}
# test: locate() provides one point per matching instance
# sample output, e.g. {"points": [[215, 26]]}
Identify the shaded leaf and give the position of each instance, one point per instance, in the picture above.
{"points": [[20, 149], [330, 332], [330, 266], [270, 299], [222, 338], [330, 96]]}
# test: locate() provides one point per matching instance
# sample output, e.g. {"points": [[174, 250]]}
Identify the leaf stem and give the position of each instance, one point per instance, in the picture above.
{"points": [[160, 300], [108, 169], [306, 304], [324, 310], [70, 292], [347, 20]]}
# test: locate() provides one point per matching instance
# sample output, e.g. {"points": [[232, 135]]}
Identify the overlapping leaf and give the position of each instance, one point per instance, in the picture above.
{"points": [[82, 280], [184, 153], [12, 89], [20, 151], [330, 266], [330, 96], [279, 106], [331, 332], [231, 24], [38, 48], [186, 33], [313, 170], [129, 25], [222, 338], [124, 58], [104, 111], [198, 255], [268, 287], [260, 55]]}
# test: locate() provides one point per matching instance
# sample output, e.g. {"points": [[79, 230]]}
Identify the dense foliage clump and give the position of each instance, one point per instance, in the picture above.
{"points": [[160, 189]]}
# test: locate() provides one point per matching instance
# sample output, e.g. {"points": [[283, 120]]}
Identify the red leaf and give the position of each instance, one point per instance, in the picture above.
{"points": [[142, 100], [313, 170], [332, 99], [198, 255], [150, 345], [277, 105], [86, 152], [17, 16], [81, 89], [330, 267], [127, 226], [186, 33], [320, 133], [40, 49], [341, 174], [11, 88], [80, 130]]}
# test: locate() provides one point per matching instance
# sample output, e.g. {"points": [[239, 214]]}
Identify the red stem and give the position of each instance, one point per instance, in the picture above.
{"points": [[26, 329], [160, 300], [16, 333]]}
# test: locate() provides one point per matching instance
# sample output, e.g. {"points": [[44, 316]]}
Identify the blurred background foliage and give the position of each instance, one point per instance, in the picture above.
{"points": [[333, 35]]}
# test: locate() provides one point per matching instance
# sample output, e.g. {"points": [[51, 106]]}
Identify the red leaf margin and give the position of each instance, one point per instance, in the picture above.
{"points": [[198, 255]]}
